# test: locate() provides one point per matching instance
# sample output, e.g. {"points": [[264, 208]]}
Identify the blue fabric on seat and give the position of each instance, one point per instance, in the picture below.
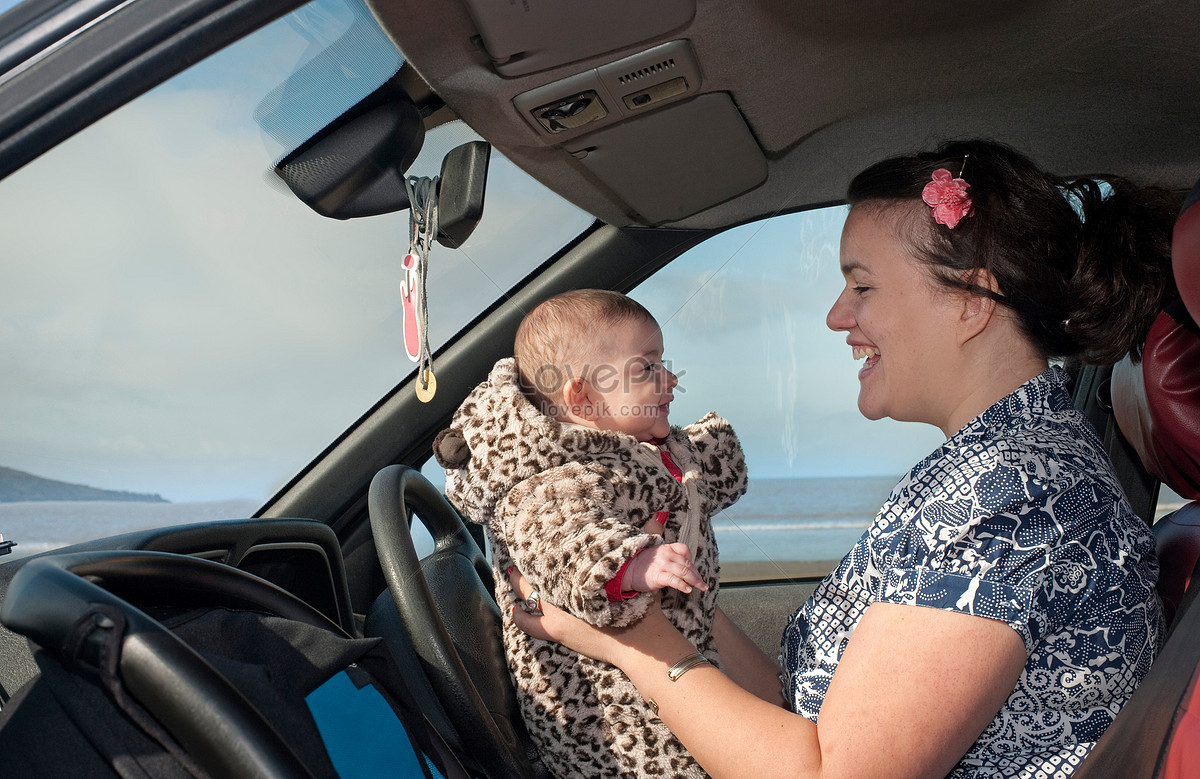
{"points": [[362, 734]]}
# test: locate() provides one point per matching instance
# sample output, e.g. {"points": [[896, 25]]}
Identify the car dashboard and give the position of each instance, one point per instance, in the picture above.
{"points": [[301, 556]]}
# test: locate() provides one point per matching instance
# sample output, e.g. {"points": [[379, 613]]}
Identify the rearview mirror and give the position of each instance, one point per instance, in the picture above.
{"points": [[460, 192], [355, 167]]}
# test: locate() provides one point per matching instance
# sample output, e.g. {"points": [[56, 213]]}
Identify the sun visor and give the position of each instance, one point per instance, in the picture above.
{"points": [[676, 161], [531, 35]]}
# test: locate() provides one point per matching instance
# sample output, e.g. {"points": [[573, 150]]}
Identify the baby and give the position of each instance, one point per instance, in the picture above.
{"points": [[566, 457]]}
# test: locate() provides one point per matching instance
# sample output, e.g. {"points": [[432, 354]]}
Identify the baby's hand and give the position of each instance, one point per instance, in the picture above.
{"points": [[665, 565]]}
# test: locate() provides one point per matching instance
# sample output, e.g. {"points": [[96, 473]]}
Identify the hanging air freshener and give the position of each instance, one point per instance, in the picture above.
{"points": [[413, 331], [422, 198]]}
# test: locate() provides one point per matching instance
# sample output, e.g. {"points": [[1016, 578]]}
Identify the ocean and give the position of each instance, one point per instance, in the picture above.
{"points": [[799, 519], [38, 526], [777, 519]]}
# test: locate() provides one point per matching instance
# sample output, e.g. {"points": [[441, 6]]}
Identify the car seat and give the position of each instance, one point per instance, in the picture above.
{"points": [[1156, 404]]}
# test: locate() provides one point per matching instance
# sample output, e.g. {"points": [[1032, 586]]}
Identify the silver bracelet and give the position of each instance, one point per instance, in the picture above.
{"points": [[685, 665], [678, 670]]}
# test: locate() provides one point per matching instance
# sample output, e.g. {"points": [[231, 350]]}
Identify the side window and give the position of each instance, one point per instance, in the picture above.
{"points": [[1168, 501], [743, 320]]}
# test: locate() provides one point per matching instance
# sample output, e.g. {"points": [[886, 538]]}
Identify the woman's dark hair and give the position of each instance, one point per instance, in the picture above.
{"points": [[1085, 266]]}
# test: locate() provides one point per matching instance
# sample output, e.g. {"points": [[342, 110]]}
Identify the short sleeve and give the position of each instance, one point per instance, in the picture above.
{"points": [[1012, 604], [981, 544]]}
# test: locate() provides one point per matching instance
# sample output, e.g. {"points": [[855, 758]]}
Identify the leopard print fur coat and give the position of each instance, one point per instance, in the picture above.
{"points": [[565, 505]]}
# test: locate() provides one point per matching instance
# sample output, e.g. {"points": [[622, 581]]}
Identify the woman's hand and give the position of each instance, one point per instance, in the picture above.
{"points": [[608, 645]]}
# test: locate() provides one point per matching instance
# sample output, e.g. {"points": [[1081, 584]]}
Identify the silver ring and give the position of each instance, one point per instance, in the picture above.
{"points": [[532, 604]]}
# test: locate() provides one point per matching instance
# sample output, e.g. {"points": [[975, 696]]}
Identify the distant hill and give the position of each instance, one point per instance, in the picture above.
{"points": [[16, 486]]}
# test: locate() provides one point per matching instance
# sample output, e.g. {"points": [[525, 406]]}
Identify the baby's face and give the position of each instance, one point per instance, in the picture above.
{"points": [[634, 389]]}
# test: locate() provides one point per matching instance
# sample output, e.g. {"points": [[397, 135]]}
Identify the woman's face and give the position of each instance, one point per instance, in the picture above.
{"points": [[898, 318]]}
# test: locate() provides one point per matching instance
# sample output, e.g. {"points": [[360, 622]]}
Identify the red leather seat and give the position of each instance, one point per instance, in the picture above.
{"points": [[1157, 406]]}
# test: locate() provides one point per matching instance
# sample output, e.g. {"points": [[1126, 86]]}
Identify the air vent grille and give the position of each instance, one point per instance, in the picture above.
{"points": [[652, 70]]}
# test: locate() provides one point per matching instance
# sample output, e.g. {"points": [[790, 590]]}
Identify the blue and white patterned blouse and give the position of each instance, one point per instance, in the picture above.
{"points": [[1018, 517]]}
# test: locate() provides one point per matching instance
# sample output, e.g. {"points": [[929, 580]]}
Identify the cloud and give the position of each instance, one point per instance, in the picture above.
{"points": [[164, 312], [170, 323], [743, 318]]}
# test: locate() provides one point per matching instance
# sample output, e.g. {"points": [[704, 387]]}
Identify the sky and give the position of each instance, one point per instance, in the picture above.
{"points": [[172, 322], [743, 319]]}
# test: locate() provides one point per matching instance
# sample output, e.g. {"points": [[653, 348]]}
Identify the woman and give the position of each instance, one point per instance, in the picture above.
{"points": [[1001, 608]]}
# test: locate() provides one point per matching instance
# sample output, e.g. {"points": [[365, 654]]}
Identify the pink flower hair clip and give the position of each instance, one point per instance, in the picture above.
{"points": [[947, 198]]}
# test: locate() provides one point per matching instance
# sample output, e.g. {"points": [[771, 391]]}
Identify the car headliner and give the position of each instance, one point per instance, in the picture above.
{"points": [[1102, 87]]}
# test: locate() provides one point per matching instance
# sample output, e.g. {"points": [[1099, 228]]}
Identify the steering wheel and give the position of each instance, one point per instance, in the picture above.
{"points": [[50, 598], [450, 618]]}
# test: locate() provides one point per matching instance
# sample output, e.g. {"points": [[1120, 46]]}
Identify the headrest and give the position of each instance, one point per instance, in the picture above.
{"points": [[1185, 252], [1157, 403]]}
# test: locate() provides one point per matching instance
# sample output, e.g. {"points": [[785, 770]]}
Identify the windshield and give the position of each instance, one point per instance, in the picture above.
{"points": [[175, 325]]}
